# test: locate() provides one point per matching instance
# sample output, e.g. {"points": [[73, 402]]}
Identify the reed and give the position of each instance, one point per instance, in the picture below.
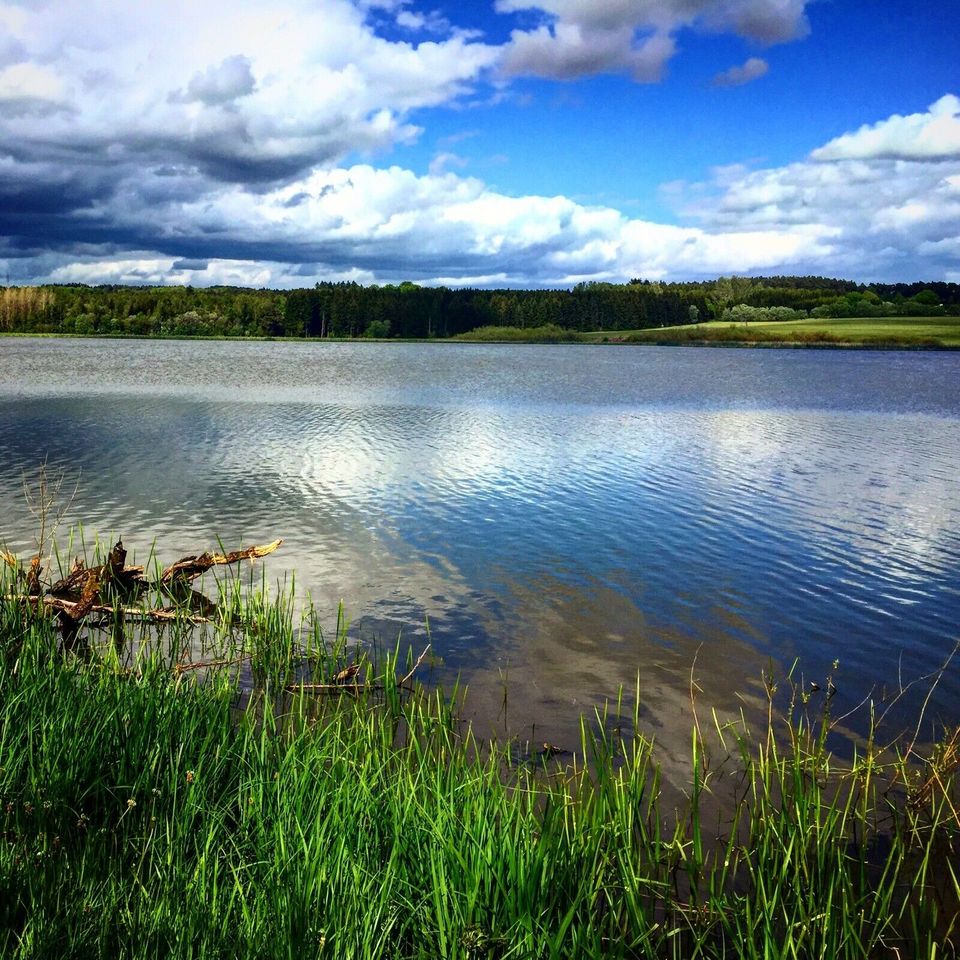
{"points": [[153, 806]]}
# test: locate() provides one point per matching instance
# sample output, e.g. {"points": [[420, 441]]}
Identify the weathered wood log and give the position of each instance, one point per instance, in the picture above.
{"points": [[82, 591], [113, 571], [189, 568], [88, 596], [70, 608]]}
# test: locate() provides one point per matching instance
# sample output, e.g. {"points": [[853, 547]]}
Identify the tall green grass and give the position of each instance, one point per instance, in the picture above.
{"points": [[148, 809]]}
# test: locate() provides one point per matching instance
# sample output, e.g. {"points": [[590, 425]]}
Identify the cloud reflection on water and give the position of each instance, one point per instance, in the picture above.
{"points": [[578, 534]]}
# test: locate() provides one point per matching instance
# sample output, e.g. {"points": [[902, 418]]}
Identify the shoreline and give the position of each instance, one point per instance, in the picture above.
{"points": [[593, 341]]}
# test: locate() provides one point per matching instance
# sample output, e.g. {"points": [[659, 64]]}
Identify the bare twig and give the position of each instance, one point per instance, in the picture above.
{"points": [[182, 668], [351, 688], [413, 669], [45, 503]]}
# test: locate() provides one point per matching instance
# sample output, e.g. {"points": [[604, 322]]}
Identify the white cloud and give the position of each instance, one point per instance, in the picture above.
{"points": [[222, 84], [579, 37], [888, 195], [885, 218], [29, 88], [219, 142], [245, 92], [432, 22], [753, 69], [443, 161], [934, 135], [390, 223]]}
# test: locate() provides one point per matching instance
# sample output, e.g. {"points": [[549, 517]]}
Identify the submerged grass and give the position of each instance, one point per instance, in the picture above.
{"points": [[147, 812]]}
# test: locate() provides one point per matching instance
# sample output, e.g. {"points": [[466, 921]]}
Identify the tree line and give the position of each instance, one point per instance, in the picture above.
{"points": [[407, 310]]}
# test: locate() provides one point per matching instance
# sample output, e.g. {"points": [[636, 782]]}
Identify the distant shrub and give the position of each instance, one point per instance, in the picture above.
{"points": [[378, 329], [550, 333], [742, 313]]}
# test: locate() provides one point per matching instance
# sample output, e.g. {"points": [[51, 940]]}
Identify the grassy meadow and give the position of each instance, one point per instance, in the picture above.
{"points": [[875, 332], [238, 785]]}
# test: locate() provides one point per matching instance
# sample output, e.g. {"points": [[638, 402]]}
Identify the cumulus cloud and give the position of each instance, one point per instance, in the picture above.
{"points": [[390, 224], [753, 69], [579, 37], [226, 143], [222, 84], [29, 89], [934, 135], [257, 92], [443, 161], [432, 22], [888, 216], [888, 194]]}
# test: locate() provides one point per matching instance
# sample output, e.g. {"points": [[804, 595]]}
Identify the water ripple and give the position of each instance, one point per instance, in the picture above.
{"points": [[578, 513]]}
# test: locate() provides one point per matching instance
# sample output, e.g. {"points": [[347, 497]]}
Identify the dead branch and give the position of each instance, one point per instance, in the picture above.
{"points": [[189, 568], [88, 596], [182, 668], [413, 669], [113, 571], [341, 682], [70, 608], [351, 688]]}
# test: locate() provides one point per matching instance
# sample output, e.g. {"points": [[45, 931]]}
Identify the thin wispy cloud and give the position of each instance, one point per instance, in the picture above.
{"points": [[753, 69]]}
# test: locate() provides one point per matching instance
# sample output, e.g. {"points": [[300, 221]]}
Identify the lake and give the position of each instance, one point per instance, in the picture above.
{"points": [[563, 517]]}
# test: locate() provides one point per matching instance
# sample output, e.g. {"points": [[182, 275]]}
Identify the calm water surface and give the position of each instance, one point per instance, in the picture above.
{"points": [[564, 516]]}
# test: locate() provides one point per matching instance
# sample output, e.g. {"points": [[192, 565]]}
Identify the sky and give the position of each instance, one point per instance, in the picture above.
{"points": [[495, 143]]}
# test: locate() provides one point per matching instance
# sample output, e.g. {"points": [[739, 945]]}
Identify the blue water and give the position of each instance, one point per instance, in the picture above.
{"points": [[564, 517]]}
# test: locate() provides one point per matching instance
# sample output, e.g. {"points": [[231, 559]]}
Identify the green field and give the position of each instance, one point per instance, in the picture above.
{"points": [[872, 331]]}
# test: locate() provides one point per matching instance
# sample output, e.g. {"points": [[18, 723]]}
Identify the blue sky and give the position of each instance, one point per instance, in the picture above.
{"points": [[500, 142]]}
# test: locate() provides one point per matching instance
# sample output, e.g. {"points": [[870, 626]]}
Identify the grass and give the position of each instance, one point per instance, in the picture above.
{"points": [[151, 809], [890, 332], [550, 333], [878, 332]]}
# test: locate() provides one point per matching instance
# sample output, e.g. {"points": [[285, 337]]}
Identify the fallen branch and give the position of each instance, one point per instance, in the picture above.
{"points": [[71, 608], [182, 668], [189, 568], [352, 688], [338, 685], [114, 570]]}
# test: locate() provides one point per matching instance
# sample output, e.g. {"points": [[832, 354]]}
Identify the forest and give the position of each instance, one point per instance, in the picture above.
{"points": [[409, 311]]}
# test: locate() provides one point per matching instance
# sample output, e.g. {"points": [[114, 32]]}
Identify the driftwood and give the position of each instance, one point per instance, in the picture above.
{"points": [[114, 571], [189, 568], [73, 610], [345, 681], [85, 590]]}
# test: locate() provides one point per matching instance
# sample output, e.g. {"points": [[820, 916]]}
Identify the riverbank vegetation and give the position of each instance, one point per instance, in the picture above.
{"points": [[409, 311], [932, 332], [546, 334], [225, 781]]}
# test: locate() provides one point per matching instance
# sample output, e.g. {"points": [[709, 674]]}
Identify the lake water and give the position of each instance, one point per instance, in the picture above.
{"points": [[563, 516]]}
